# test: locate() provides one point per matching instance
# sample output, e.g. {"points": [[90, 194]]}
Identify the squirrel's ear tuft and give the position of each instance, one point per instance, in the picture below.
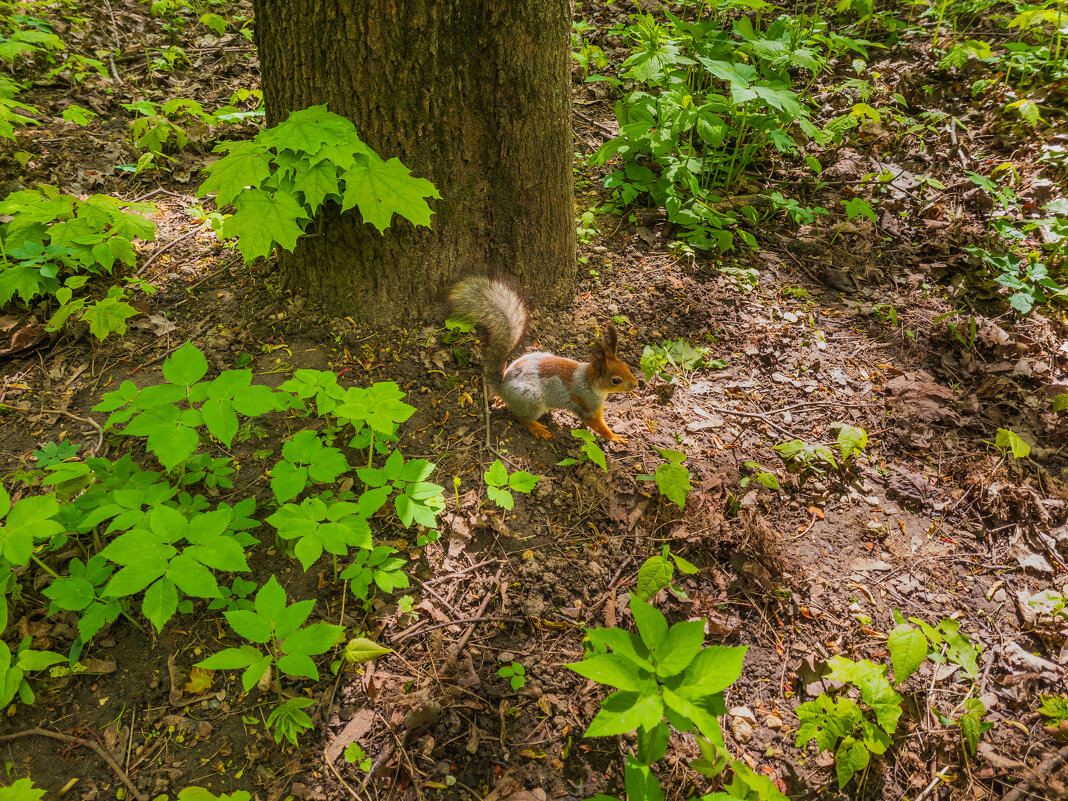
{"points": [[610, 340]]}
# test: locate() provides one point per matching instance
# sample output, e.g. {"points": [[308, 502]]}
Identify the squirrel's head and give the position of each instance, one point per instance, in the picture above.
{"points": [[612, 375]]}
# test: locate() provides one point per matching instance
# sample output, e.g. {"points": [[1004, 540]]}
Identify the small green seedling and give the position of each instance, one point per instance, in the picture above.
{"points": [[672, 479], [657, 571], [277, 627], [590, 450], [498, 484], [1011, 442], [842, 726], [515, 673], [675, 357], [355, 755], [761, 475]]}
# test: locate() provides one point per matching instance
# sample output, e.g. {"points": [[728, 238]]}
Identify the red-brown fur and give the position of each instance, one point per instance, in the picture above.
{"points": [[558, 367]]}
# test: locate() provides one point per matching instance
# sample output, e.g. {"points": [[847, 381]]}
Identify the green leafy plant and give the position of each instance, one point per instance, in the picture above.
{"points": [[657, 571], [841, 725], [55, 243], [288, 646], [515, 673], [589, 449], [305, 461], [1054, 708], [52, 453], [851, 441], [800, 456], [21, 790], [910, 645], [11, 110], [379, 567], [14, 669], [279, 181], [173, 431], [161, 128], [1010, 442], [586, 228], [499, 483], [354, 755], [317, 525], [663, 677], [972, 724], [707, 102], [672, 478], [762, 476], [675, 357]]}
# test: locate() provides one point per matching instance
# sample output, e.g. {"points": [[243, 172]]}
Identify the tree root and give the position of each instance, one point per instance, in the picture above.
{"points": [[100, 752]]}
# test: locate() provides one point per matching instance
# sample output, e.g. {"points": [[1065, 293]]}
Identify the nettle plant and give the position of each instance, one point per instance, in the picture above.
{"points": [[158, 536], [55, 244], [279, 182]]}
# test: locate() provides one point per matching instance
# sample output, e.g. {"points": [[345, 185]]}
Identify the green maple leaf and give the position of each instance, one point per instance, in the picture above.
{"points": [[316, 181], [261, 220], [384, 188], [247, 164], [306, 131], [21, 280], [108, 315]]}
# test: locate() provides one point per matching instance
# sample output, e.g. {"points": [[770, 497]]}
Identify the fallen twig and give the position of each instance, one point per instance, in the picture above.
{"points": [[95, 747]]}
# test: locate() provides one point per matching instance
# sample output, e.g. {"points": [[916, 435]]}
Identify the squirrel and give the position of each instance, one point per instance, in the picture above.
{"points": [[537, 382]]}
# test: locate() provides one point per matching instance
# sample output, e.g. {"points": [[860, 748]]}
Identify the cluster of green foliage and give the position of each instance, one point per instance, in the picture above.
{"points": [[711, 98], [151, 535], [666, 678], [279, 182], [54, 244]]}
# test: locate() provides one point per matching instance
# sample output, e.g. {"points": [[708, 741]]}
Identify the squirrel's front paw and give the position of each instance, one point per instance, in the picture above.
{"points": [[612, 437]]}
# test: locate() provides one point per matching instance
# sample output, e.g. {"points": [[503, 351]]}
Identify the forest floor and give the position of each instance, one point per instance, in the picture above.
{"points": [[833, 328]]}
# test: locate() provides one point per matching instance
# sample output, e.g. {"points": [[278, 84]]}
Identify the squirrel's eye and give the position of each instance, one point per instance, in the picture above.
{"points": [[617, 380]]}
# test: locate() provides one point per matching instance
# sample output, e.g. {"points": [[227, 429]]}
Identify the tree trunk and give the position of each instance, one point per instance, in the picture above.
{"points": [[472, 94]]}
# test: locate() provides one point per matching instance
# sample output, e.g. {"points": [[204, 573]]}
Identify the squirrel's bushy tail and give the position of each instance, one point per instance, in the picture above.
{"points": [[496, 306]]}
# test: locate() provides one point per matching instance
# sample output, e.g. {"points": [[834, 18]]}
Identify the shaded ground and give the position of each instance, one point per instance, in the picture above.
{"points": [[933, 521]]}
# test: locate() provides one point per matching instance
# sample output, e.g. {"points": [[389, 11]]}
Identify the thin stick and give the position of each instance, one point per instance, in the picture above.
{"points": [[478, 617], [100, 752]]}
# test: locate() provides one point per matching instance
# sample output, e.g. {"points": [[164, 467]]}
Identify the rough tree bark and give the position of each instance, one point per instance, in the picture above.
{"points": [[472, 94]]}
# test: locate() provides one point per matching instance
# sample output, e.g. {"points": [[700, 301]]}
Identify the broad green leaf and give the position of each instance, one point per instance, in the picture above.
{"points": [[680, 646], [497, 475], [1011, 440], [383, 188], [623, 712], [522, 481], [859, 207], [298, 665], [108, 315], [220, 419], [160, 603], [261, 220], [185, 366], [673, 481], [313, 639], [908, 649], [615, 670], [653, 576], [652, 626], [713, 670], [247, 164], [253, 626], [360, 650], [232, 659]]}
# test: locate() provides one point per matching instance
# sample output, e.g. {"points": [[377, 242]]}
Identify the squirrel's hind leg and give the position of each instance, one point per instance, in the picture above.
{"points": [[536, 428]]}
